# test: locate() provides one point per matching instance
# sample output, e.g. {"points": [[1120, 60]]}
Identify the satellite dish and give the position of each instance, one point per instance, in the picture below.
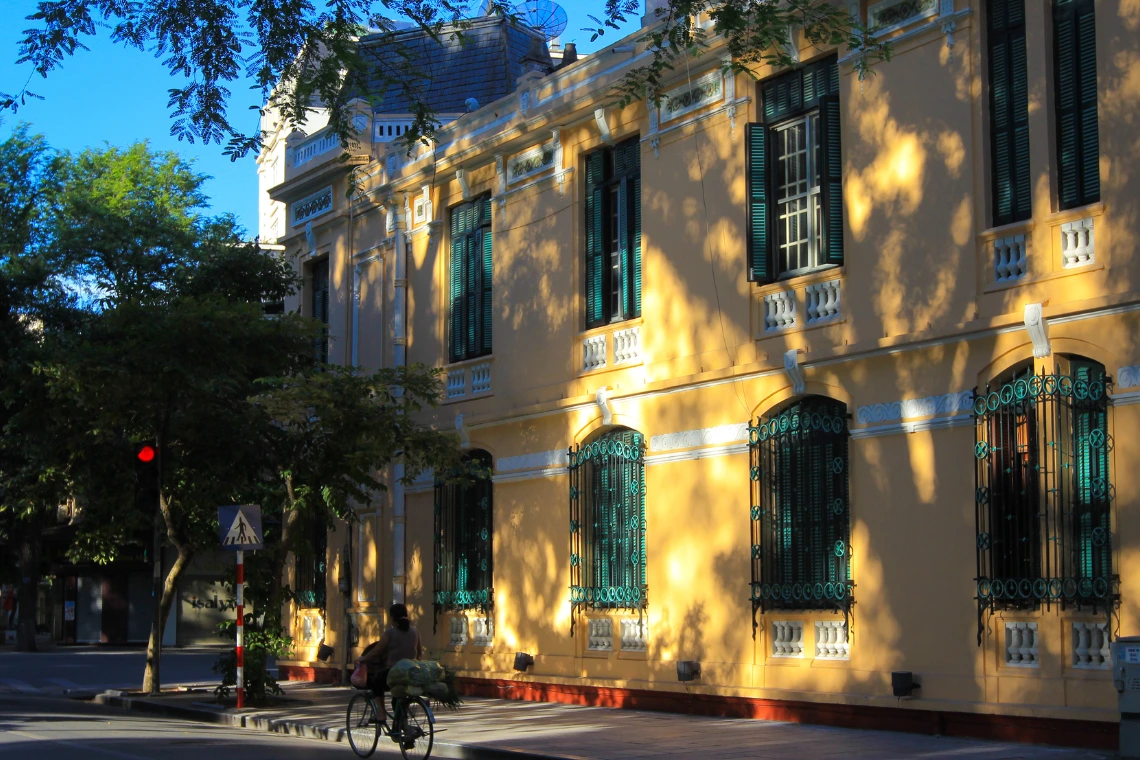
{"points": [[546, 16]]}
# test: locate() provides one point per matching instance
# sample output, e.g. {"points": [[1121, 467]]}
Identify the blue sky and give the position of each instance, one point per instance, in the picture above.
{"points": [[116, 95]]}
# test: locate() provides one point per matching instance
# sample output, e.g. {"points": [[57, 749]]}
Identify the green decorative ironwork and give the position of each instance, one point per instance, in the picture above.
{"points": [[799, 509], [1043, 493], [309, 566], [607, 523], [463, 538]]}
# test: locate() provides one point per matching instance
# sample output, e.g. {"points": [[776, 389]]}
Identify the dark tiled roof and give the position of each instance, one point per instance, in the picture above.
{"points": [[482, 64]]}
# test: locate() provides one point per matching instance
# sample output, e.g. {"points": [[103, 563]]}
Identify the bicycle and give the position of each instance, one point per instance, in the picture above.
{"points": [[412, 725]]}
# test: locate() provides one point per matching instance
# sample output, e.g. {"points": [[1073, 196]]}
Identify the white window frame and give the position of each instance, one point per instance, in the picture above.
{"points": [[812, 196]]}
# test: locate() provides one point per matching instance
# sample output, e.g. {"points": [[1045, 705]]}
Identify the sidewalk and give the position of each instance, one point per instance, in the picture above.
{"points": [[496, 728]]}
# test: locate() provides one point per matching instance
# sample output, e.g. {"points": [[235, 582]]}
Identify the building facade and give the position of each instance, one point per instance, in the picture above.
{"points": [[804, 378]]}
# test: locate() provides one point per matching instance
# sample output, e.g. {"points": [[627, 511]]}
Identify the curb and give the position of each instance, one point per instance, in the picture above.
{"points": [[204, 713]]}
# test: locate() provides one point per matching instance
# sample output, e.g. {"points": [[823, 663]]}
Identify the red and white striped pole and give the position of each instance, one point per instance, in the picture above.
{"points": [[240, 628]]}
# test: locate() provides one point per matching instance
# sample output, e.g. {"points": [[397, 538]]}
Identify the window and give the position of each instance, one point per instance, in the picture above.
{"points": [[613, 234], [470, 278], [795, 175], [607, 522], [800, 513], [320, 306], [1044, 490], [1074, 82], [463, 527], [1009, 111], [309, 564]]}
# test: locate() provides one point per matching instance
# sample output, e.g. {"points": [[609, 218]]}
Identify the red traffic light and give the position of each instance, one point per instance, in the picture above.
{"points": [[147, 453]]}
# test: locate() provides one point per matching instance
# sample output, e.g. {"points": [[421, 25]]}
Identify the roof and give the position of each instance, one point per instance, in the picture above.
{"points": [[481, 62]]}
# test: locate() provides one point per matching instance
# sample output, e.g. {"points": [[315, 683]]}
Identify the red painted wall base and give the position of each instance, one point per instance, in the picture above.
{"points": [[1011, 728]]}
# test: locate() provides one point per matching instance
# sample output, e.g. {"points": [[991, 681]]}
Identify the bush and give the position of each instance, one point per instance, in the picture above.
{"points": [[258, 647]]}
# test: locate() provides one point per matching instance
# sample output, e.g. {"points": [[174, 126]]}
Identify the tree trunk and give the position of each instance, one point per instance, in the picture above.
{"points": [[290, 524], [27, 596], [169, 590]]}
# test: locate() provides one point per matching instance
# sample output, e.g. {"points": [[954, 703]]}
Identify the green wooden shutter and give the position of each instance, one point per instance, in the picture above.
{"points": [[595, 297], [759, 205], [636, 247], [472, 271], [831, 179], [488, 270], [456, 281], [624, 254], [1009, 112], [1078, 142]]}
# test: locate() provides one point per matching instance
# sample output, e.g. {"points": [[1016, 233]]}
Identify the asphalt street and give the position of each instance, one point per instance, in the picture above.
{"points": [[57, 670], [45, 728]]}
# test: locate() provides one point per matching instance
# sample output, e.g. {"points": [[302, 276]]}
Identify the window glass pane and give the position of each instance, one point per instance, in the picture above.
{"points": [[798, 222]]}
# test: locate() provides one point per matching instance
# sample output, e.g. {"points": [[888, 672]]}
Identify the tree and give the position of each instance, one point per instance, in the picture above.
{"points": [[301, 53], [34, 310]]}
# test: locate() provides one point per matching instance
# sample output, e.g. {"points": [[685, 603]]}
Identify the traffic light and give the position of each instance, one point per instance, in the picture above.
{"points": [[146, 476]]}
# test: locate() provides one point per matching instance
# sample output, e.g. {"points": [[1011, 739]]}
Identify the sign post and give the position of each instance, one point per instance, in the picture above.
{"points": [[239, 527]]}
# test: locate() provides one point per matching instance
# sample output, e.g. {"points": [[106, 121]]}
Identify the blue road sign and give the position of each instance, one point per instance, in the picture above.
{"points": [[239, 526]]}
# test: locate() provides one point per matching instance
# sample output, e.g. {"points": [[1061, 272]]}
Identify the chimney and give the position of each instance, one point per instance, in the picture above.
{"points": [[569, 55], [651, 8]]}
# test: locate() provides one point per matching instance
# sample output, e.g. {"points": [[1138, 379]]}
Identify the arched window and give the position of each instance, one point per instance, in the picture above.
{"points": [[607, 522], [800, 516], [1044, 490], [463, 542]]}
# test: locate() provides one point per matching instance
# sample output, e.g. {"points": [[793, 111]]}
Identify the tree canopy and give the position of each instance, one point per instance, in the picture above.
{"points": [[301, 54]]}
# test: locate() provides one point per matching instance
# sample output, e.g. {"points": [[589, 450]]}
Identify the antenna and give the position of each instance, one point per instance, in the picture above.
{"points": [[546, 16]]}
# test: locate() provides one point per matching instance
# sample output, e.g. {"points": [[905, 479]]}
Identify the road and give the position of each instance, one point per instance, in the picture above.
{"points": [[44, 728], [61, 669]]}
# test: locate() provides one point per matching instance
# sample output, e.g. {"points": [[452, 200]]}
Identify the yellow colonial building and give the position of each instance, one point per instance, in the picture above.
{"points": [[784, 384]]}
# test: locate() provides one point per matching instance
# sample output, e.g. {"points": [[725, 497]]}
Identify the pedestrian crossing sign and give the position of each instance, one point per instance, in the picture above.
{"points": [[239, 526]]}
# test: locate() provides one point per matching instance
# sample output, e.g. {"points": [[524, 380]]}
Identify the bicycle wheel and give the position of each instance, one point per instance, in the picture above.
{"points": [[362, 724], [419, 731]]}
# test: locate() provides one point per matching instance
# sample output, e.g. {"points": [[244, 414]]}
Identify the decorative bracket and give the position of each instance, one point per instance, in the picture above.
{"points": [[461, 430], [425, 193], [654, 125], [559, 172], [389, 216], [794, 370], [791, 49], [730, 97], [604, 405], [310, 238], [1038, 329], [461, 178], [501, 172], [948, 28], [603, 125]]}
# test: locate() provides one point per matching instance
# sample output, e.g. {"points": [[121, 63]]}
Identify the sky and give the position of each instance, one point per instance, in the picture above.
{"points": [[115, 95]]}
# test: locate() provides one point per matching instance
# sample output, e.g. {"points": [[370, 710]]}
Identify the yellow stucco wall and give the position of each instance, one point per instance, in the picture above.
{"points": [[921, 316]]}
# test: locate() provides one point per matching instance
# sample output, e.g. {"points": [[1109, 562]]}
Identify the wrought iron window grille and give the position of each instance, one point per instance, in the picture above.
{"points": [[464, 512], [309, 567], [800, 511], [607, 524], [1043, 493]]}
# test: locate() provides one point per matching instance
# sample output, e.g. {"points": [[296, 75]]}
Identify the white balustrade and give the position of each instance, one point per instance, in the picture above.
{"points": [[481, 378], [456, 383], [594, 352], [779, 310], [314, 147], [831, 640], [788, 638], [458, 631], [1010, 259], [822, 301], [627, 345], [600, 634], [483, 631], [634, 635], [1091, 645], [1077, 243], [1021, 645]]}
